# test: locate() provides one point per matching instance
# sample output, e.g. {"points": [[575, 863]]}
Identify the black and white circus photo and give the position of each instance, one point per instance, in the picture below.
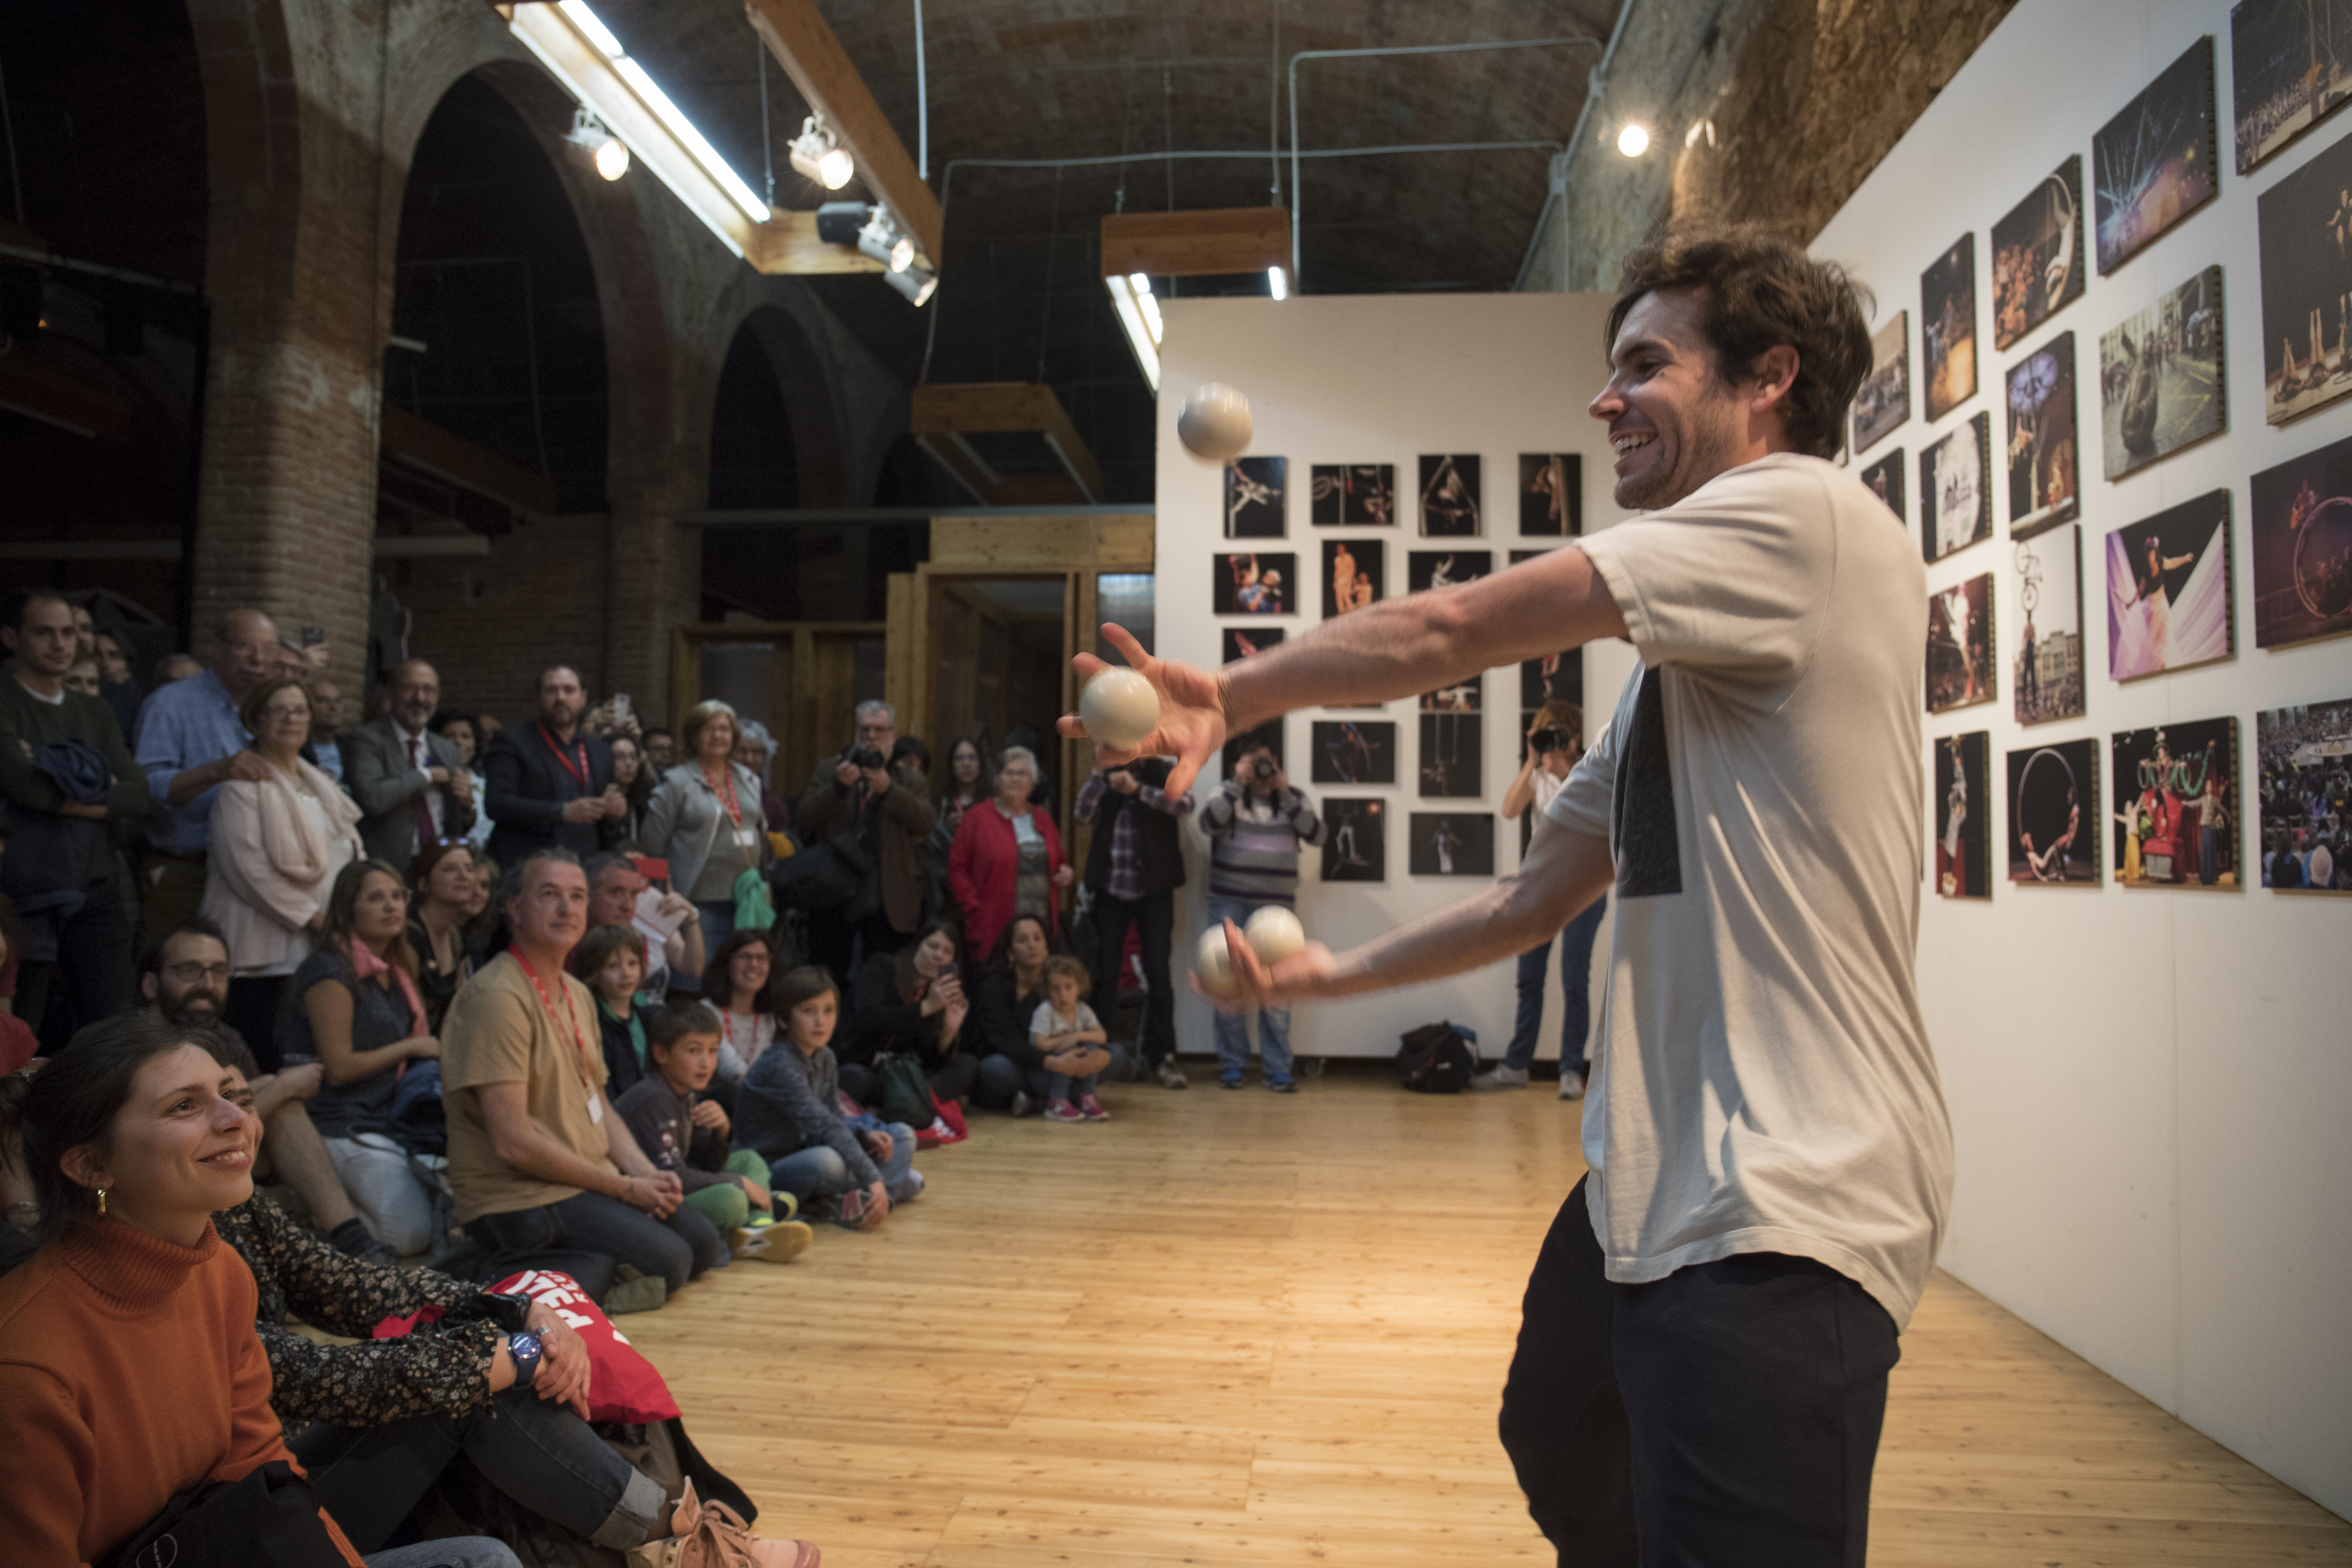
{"points": [[1885, 400], [1355, 839], [1352, 495], [1452, 844], [1253, 497]]}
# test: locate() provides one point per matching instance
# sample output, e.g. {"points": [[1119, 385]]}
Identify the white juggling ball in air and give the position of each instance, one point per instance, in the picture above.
{"points": [[1214, 424], [1118, 708]]}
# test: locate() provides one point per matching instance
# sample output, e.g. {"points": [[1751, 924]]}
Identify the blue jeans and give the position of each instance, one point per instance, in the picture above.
{"points": [[717, 925], [676, 1250], [1575, 978], [449, 1551], [1002, 1078], [1061, 1085], [1273, 1023], [818, 1172]]}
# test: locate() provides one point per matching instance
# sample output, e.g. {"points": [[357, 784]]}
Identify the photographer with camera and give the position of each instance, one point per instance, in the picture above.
{"points": [[1255, 824], [853, 793], [1555, 741], [1133, 869]]}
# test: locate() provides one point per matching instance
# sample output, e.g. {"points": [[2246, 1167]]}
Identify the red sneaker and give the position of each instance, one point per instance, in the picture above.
{"points": [[1063, 1111], [1092, 1109]]}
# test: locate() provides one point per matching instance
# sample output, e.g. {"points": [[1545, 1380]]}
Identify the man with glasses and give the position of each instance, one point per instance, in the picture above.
{"points": [[412, 784]]}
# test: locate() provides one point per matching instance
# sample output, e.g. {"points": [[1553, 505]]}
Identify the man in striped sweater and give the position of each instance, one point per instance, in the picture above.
{"points": [[1255, 824]]}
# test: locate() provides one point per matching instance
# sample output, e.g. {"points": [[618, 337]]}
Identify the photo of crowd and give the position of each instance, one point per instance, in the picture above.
{"points": [[2304, 756]]}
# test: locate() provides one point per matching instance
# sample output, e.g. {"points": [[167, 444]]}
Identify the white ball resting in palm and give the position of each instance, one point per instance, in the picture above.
{"points": [[1118, 708]]}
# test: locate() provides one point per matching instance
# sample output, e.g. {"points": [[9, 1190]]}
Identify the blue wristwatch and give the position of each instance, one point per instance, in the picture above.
{"points": [[525, 1348]]}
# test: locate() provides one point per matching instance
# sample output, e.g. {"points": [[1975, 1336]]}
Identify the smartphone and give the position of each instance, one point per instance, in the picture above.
{"points": [[312, 636], [621, 707]]}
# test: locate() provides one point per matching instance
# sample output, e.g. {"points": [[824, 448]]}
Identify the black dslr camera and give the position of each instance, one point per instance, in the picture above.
{"points": [[865, 757]]}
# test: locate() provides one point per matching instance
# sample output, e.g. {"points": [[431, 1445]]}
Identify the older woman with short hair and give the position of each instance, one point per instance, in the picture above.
{"points": [[706, 818], [1007, 859]]}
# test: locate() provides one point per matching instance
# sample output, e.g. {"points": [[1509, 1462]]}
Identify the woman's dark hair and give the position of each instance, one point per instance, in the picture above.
{"points": [[422, 865], [597, 948], [943, 782], [911, 746], [638, 790], [1000, 957], [719, 985], [73, 1101], [805, 983], [483, 928], [1760, 291], [905, 957], [343, 907]]}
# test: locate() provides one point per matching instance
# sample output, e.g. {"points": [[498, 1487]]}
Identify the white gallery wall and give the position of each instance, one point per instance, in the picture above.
{"points": [[2150, 1087], [1380, 379]]}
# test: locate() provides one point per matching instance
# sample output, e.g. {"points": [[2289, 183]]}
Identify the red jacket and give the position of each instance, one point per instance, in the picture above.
{"points": [[982, 866]]}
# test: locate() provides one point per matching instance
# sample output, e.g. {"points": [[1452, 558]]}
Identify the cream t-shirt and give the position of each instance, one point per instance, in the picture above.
{"points": [[498, 1031], [1766, 1083]]}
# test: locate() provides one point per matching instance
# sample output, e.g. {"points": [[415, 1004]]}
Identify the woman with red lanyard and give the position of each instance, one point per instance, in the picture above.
{"points": [[736, 987], [705, 820]]}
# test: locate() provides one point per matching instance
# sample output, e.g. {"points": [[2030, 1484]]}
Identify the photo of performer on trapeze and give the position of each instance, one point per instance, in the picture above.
{"points": [[1349, 752], [1963, 862]]}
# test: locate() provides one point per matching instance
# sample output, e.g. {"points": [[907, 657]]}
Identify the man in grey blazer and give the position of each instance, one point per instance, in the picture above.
{"points": [[411, 787]]}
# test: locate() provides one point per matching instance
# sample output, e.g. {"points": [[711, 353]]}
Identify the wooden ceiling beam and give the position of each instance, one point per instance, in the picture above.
{"points": [[1196, 244], [942, 415], [788, 243], [446, 455]]}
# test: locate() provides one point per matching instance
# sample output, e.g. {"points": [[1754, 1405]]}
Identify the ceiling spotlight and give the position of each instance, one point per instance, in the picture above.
{"points": [[881, 240], [916, 283], [820, 156], [1276, 283], [613, 159], [1633, 141], [598, 144]]}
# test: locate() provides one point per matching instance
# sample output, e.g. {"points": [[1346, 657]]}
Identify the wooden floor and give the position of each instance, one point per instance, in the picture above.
{"points": [[1250, 1329]]}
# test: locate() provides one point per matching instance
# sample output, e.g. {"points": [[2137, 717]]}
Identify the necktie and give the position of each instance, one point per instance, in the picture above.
{"points": [[427, 829]]}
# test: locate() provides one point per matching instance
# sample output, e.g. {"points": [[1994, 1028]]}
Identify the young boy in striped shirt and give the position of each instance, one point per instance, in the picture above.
{"points": [[1255, 824]]}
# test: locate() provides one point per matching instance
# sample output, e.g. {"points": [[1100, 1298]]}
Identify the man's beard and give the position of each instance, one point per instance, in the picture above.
{"points": [[194, 1007]]}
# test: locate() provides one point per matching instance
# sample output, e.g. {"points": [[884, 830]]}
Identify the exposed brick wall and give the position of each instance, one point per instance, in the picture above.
{"points": [[489, 625]]}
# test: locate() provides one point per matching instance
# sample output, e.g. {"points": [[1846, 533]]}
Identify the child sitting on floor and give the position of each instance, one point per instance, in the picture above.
{"points": [[1063, 1023], [788, 1112], [689, 1135]]}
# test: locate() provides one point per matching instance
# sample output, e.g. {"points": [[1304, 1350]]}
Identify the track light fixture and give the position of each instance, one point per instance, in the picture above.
{"points": [[598, 144], [882, 239], [915, 281], [819, 155]]}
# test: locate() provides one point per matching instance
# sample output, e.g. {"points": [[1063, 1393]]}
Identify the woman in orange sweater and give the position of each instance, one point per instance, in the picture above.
{"points": [[129, 1364]]}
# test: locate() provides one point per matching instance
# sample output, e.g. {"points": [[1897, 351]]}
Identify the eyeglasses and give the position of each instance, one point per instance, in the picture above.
{"points": [[189, 973]]}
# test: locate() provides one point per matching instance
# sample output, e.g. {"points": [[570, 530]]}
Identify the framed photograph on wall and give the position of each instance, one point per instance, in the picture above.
{"points": [[1355, 573], [1253, 497], [1963, 816], [2168, 590], [2042, 482], [2037, 255], [2304, 753], [1551, 493], [1241, 642], [1554, 678], [1427, 569], [2303, 548], [1268, 734], [1452, 755], [2054, 814], [1884, 399], [2286, 75], [2304, 221], [1353, 752], [2045, 678], [1885, 478], [1449, 507], [1352, 495], [2160, 380], [1960, 645], [1452, 844], [2175, 800], [1947, 328], [1466, 697], [1254, 585], [2153, 163], [1954, 491], [1355, 840]]}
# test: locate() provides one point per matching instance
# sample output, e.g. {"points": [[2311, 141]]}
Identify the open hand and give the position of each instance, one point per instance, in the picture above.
{"points": [[1192, 710], [1304, 974]]}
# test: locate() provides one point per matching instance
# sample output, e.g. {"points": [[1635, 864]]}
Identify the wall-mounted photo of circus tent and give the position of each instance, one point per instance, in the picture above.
{"points": [[2175, 801], [2168, 582]]}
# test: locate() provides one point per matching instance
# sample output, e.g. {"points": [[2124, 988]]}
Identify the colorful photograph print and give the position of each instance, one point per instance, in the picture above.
{"points": [[2045, 578], [1963, 816], [2168, 590], [2037, 255], [1449, 497], [2175, 804], [2306, 224], [1427, 569], [1468, 696], [2042, 472], [1947, 329], [2303, 548], [1254, 500], [2286, 75], [1551, 493], [1452, 844], [1554, 678], [2053, 813], [1955, 488], [1248, 644], [2153, 163], [1352, 495], [1355, 840], [1269, 736], [1254, 585], [1885, 480], [1885, 400], [1451, 748], [1960, 645], [2304, 764], [2160, 378], [1353, 752], [1355, 573]]}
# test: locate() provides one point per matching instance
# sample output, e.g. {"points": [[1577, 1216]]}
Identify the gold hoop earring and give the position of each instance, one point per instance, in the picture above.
{"points": [[101, 1200]]}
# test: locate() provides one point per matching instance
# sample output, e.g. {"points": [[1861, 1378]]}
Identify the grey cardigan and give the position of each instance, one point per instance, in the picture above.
{"points": [[684, 817]]}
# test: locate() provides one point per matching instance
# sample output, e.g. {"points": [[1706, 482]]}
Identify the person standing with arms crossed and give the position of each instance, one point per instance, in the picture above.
{"points": [[1701, 1369]]}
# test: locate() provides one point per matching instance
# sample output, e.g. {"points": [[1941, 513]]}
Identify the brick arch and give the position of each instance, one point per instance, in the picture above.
{"points": [[810, 405]]}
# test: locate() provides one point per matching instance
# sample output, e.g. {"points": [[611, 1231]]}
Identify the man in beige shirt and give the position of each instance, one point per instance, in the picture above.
{"points": [[538, 1158]]}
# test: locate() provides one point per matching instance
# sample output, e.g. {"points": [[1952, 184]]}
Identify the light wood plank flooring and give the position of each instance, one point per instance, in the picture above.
{"points": [[1250, 1329]]}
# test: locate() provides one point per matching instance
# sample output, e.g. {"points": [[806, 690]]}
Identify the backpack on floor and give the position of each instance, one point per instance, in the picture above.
{"points": [[1436, 1058], [901, 1092]]}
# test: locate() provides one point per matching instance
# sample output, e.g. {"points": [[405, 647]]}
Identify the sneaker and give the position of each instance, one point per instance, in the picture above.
{"points": [[710, 1534], [1571, 1084], [779, 1243], [1230, 1080], [849, 1209], [1063, 1111], [1170, 1076], [1022, 1104], [1500, 1076], [915, 1186], [786, 1208], [1281, 1086], [1092, 1109]]}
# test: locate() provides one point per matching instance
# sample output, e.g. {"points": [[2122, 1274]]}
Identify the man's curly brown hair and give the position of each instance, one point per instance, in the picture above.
{"points": [[1760, 291]]}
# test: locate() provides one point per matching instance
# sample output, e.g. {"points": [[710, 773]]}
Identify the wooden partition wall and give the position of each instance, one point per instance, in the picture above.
{"points": [[812, 680]]}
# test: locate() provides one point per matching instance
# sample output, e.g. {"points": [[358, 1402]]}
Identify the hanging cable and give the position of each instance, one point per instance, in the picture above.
{"points": [[767, 142], [1274, 106], [922, 103]]}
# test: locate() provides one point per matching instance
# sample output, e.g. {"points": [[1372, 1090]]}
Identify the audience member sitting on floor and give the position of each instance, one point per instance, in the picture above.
{"points": [[536, 1158], [611, 961], [485, 926], [129, 1364], [736, 988], [683, 1133], [614, 884], [789, 1113], [441, 890], [1064, 1031], [353, 1007], [1013, 1074], [912, 1001], [185, 978]]}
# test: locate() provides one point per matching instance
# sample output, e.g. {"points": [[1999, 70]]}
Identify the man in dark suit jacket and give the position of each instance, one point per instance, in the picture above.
{"points": [[550, 784], [409, 784]]}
